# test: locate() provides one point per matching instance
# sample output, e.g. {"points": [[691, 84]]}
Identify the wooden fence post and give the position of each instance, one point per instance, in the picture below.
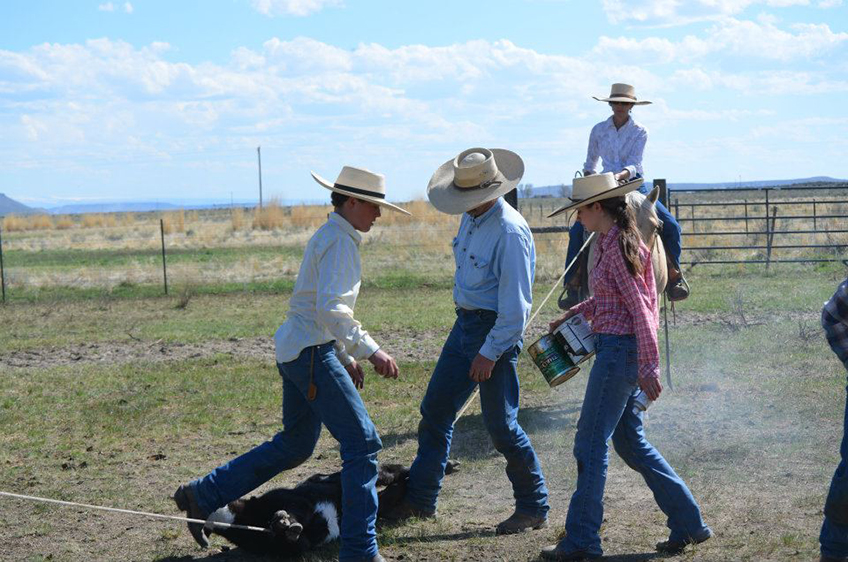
{"points": [[815, 223], [164, 267], [770, 234], [2, 271], [746, 216]]}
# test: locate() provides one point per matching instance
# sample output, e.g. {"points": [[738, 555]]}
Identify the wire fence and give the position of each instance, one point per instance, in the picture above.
{"points": [[753, 225], [232, 249]]}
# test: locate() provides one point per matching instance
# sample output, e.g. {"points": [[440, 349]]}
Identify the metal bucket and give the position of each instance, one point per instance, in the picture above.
{"points": [[576, 338], [552, 360]]}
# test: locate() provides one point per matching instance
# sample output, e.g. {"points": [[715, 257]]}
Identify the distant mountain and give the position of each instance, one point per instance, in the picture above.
{"points": [[557, 190], [9, 206], [128, 207]]}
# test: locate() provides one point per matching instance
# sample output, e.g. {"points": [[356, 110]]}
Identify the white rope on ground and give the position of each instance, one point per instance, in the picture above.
{"points": [[144, 513], [533, 317]]}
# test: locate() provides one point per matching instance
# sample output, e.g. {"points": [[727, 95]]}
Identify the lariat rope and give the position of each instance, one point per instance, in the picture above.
{"points": [[144, 513], [538, 309]]}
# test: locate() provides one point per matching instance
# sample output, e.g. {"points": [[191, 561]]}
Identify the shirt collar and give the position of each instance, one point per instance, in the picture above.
{"points": [[627, 124], [346, 226], [482, 218]]}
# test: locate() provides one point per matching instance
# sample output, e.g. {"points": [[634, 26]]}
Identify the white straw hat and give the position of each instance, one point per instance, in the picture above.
{"points": [[625, 93], [589, 189], [474, 177], [360, 183]]}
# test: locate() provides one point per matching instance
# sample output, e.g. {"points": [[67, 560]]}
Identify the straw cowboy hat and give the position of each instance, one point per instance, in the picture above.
{"points": [[588, 190], [360, 183], [625, 93], [474, 177]]}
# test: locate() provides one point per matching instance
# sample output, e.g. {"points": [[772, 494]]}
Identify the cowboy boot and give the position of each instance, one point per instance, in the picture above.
{"points": [[677, 288]]}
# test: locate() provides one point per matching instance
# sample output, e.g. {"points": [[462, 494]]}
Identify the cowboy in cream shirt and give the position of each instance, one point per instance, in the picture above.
{"points": [[317, 351]]}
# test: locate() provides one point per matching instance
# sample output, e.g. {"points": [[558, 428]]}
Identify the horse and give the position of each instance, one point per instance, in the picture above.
{"points": [[649, 226]]}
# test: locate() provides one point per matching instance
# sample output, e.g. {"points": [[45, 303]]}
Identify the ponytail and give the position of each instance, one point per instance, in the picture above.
{"points": [[629, 237]]}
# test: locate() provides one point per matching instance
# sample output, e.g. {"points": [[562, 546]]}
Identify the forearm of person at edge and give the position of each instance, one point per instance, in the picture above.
{"points": [[586, 308], [515, 272], [333, 313], [644, 320]]}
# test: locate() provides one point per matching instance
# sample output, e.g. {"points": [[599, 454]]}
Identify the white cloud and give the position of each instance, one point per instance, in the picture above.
{"points": [[749, 39], [128, 8], [107, 7], [677, 12], [829, 3], [292, 7]]}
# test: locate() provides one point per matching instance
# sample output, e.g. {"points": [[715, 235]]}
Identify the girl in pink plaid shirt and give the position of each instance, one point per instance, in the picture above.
{"points": [[623, 312]]}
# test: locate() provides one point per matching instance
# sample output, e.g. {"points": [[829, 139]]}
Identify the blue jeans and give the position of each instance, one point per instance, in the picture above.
{"points": [[607, 413], [447, 391], [338, 406], [834, 531], [670, 237]]}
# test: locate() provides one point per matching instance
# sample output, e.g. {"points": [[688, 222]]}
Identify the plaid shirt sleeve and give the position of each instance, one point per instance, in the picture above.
{"points": [[640, 299], [586, 308], [835, 322]]}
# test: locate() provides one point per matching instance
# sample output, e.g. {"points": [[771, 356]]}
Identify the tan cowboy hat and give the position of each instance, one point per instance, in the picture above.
{"points": [[587, 190], [360, 183], [625, 93], [474, 177]]}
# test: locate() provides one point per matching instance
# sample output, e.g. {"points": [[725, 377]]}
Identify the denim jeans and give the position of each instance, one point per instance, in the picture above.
{"points": [[338, 406], [834, 531], [607, 413], [670, 236], [447, 391]]}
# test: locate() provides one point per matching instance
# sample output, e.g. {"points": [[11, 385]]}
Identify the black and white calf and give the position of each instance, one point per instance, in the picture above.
{"points": [[303, 517]]}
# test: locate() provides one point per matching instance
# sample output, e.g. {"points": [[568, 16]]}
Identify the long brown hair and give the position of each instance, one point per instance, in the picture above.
{"points": [[629, 237]]}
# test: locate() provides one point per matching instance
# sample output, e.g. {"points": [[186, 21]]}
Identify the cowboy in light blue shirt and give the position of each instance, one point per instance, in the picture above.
{"points": [[495, 263], [495, 266]]}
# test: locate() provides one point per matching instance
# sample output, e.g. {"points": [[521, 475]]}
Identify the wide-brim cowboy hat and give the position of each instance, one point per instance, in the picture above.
{"points": [[476, 176], [588, 190], [624, 93], [360, 183]]}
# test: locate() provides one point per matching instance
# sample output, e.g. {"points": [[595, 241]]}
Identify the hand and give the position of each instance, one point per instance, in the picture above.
{"points": [[651, 386], [555, 324], [622, 176], [481, 368], [384, 364], [357, 375]]}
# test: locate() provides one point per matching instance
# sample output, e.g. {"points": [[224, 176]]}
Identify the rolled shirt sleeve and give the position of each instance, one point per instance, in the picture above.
{"points": [[338, 283], [515, 268]]}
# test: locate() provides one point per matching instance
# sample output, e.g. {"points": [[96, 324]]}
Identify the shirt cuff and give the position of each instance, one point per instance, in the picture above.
{"points": [[365, 348], [489, 352], [648, 372], [343, 356]]}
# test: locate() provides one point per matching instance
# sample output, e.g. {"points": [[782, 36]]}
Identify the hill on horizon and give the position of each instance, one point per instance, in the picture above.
{"points": [[9, 206]]}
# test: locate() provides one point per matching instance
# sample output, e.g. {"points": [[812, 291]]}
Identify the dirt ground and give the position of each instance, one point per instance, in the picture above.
{"points": [[758, 466], [405, 346]]}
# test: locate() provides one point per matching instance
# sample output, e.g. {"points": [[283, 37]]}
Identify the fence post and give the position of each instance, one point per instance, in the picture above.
{"points": [[746, 216], [694, 222], [770, 234], [2, 271], [815, 227], [164, 267]]}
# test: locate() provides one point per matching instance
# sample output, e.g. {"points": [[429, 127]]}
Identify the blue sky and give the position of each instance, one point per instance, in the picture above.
{"points": [[163, 100]]}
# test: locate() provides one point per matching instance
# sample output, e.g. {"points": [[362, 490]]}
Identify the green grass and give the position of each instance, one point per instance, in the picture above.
{"points": [[753, 423]]}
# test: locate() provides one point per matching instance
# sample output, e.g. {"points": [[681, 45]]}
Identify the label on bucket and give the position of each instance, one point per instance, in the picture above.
{"points": [[549, 356], [576, 337]]}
